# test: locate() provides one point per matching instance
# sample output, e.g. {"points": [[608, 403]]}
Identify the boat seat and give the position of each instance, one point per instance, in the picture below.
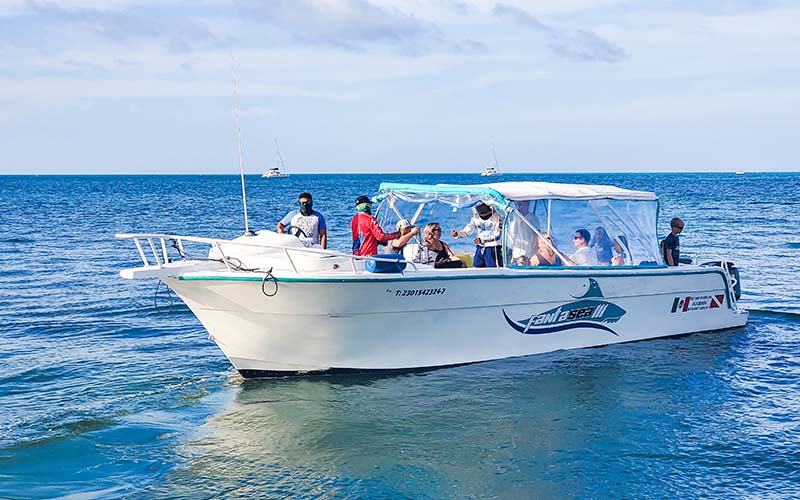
{"points": [[409, 251], [465, 257]]}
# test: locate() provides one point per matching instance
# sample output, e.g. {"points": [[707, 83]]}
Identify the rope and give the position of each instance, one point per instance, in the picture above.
{"points": [[267, 277], [174, 244], [169, 296], [233, 263]]}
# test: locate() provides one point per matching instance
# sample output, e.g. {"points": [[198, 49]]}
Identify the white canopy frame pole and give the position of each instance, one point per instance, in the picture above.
{"points": [[563, 257], [609, 227], [417, 213], [652, 245], [549, 211], [638, 231], [390, 200]]}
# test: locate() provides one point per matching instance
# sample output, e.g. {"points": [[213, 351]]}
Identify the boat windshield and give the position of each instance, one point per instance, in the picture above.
{"points": [[621, 223]]}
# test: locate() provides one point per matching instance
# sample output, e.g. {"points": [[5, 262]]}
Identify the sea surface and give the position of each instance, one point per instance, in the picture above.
{"points": [[108, 392]]}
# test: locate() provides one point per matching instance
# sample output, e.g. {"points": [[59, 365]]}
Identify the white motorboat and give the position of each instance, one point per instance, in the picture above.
{"points": [[279, 170], [493, 169], [275, 307]]}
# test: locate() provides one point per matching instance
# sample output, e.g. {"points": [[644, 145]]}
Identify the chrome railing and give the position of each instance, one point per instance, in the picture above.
{"points": [[714, 260], [157, 244]]}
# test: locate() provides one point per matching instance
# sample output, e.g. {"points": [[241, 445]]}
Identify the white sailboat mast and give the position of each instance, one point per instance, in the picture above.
{"points": [[494, 159], [281, 165]]}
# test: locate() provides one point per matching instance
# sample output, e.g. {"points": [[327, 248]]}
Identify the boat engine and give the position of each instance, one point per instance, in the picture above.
{"points": [[733, 273]]}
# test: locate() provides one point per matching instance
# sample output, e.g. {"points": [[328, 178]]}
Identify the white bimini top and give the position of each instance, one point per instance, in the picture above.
{"points": [[521, 191]]}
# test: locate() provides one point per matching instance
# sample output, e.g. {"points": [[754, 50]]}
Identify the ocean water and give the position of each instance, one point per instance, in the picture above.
{"points": [[107, 392]]}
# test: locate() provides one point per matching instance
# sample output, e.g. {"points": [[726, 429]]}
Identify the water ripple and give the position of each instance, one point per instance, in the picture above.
{"points": [[103, 396]]}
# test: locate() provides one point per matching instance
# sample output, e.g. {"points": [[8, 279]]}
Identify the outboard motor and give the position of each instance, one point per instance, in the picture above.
{"points": [[737, 284], [733, 272]]}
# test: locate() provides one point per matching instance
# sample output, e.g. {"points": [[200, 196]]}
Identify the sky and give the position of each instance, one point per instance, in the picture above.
{"points": [[349, 86]]}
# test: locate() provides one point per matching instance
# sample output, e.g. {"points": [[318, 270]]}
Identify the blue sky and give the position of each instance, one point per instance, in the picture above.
{"points": [[130, 86]]}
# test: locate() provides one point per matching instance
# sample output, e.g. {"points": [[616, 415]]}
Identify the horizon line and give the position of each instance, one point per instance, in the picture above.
{"points": [[53, 174]]}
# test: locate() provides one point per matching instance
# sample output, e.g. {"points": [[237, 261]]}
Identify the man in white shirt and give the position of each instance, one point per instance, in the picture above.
{"points": [[584, 255], [488, 248], [309, 223]]}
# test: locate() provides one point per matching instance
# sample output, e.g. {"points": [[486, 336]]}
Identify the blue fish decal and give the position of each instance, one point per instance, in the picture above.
{"points": [[585, 313], [592, 290]]}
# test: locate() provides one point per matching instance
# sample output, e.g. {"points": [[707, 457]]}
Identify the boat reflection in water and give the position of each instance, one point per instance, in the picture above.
{"points": [[522, 428]]}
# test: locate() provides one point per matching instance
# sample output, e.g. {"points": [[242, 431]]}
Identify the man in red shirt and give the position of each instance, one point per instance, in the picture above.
{"points": [[366, 230]]}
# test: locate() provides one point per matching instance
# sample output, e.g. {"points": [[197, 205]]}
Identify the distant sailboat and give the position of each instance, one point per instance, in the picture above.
{"points": [[493, 169], [279, 170]]}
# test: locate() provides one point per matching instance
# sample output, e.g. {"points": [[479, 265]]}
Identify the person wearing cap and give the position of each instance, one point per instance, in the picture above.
{"points": [[366, 230], [407, 231], [488, 248], [671, 245], [311, 224]]}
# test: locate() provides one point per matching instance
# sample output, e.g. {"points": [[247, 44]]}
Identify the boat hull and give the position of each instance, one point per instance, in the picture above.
{"points": [[319, 325]]}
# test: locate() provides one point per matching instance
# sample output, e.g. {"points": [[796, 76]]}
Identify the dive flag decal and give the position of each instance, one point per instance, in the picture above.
{"points": [[589, 312], [697, 303]]}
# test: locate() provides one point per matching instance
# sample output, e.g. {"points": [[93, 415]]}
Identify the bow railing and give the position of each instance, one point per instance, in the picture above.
{"points": [[159, 250]]}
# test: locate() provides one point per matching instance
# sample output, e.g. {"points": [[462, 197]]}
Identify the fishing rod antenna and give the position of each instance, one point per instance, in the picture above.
{"points": [[247, 231]]}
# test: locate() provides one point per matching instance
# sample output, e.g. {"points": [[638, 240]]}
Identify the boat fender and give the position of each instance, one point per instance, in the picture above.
{"points": [[397, 265]]}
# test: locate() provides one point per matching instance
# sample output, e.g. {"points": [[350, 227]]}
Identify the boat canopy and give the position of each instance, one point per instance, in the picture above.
{"points": [[456, 196], [535, 210], [516, 191]]}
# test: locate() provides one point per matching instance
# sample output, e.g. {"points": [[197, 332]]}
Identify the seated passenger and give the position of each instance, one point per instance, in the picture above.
{"points": [[522, 238], [602, 246], [546, 254], [435, 252], [583, 255], [407, 231], [620, 251]]}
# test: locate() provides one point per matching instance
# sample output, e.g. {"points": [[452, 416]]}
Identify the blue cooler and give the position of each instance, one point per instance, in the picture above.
{"points": [[397, 265]]}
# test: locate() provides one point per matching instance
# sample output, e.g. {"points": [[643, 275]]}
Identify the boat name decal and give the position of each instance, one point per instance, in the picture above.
{"points": [[697, 303], [588, 312], [418, 291]]}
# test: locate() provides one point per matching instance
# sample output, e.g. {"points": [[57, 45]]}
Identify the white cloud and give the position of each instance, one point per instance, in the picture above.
{"points": [[577, 44], [258, 111]]}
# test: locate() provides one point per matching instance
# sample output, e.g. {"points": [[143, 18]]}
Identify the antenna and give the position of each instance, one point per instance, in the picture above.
{"points": [[247, 231]]}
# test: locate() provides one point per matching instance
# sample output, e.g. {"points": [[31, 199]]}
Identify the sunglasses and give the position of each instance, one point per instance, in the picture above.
{"points": [[577, 237], [436, 229]]}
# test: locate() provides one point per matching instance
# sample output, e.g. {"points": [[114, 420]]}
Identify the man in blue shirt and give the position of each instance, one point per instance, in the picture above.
{"points": [[311, 224], [671, 246]]}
